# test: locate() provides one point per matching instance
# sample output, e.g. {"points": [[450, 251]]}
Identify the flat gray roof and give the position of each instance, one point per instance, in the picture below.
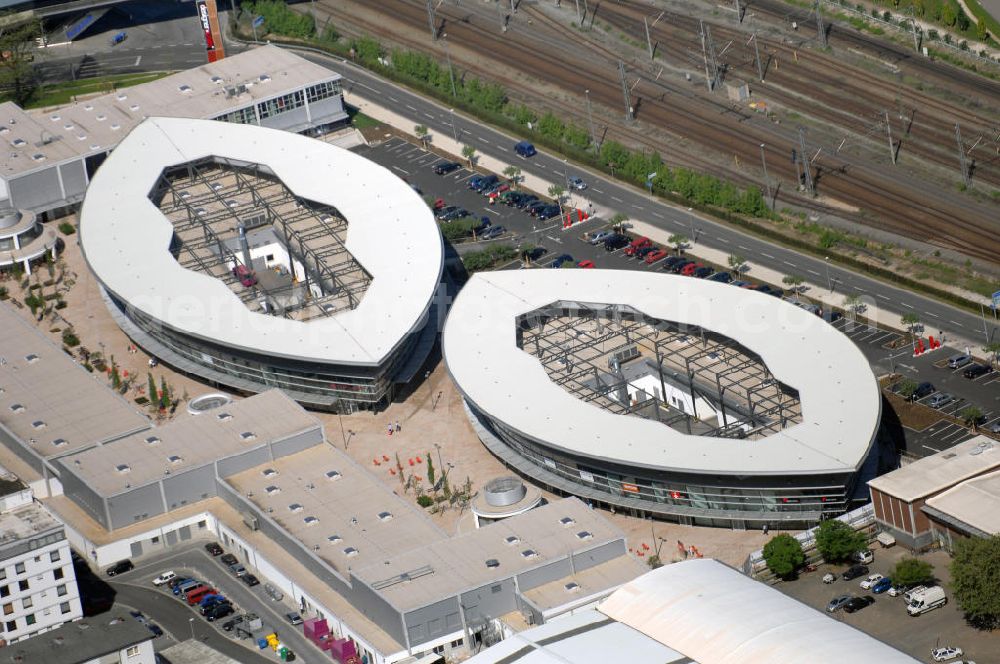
{"points": [[518, 544], [81, 641], [24, 522], [190, 441], [322, 493], [935, 473], [97, 125], [51, 402], [839, 396], [391, 233]]}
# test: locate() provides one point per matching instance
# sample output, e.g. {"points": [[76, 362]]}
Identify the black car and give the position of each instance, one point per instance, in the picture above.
{"points": [[702, 272], [446, 167], [616, 241], [455, 214], [640, 254], [486, 183], [858, 603], [923, 389], [229, 559], [445, 211], [721, 277], [548, 212], [120, 567], [212, 604], [525, 200], [155, 629], [214, 548], [531, 207], [230, 625], [854, 571], [670, 261], [220, 611], [250, 580], [977, 370]]}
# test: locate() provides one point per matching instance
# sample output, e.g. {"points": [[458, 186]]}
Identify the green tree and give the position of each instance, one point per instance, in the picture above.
{"points": [[736, 263], [970, 415], [512, 173], [783, 555], [794, 282], [975, 577], [910, 320], [654, 562], [430, 469], [678, 241], [853, 304], [619, 219], [556, 191], [421, 132], [911, 571], [469, 152], [982, 32], [152, 389], [18, 82], [836, 540], [164, 394], [993, 348], [907, 387]]}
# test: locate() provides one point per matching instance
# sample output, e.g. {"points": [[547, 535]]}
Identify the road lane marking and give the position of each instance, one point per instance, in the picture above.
{"points": [[767, 255], [411, 108], [657, 215], [616, 199], [400, 169], [598, 190], [908, 306]]}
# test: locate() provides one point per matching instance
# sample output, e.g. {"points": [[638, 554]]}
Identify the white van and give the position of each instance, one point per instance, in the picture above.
{"points": [[926, 600]]}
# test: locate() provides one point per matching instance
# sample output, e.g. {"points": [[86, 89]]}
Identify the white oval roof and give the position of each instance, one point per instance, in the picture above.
{"points": [[839, 396], [391, 232]]}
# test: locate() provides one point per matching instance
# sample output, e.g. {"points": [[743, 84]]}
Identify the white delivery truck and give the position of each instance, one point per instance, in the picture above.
{"points": [[926, 600]]}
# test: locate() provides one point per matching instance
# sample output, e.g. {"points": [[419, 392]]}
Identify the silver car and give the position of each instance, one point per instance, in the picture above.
{"points": [[838, 603], [601, 236], [940, 399], [576, 182]]}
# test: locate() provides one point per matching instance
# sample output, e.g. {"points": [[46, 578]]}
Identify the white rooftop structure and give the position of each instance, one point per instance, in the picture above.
{"points": [[695, 611], [839, 396], [933, 474], [974, 503], [391, 233]]}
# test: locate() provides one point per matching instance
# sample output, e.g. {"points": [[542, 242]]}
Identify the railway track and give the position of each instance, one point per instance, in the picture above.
{"points": [[897, 205]]}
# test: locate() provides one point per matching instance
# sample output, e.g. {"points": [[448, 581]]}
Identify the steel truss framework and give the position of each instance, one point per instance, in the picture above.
{"points": [[574, 341], [206, 201]]}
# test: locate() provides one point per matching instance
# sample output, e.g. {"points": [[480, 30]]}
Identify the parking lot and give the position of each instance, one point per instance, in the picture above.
{"points": [[887, 618], [195, 562]]}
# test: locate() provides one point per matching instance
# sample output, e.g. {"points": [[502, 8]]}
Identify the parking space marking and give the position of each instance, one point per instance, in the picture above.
{"points": [[400, 169]]}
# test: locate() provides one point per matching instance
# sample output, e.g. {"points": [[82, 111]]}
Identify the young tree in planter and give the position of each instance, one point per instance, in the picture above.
{"points": [[164, 394], [556, 191], [469, 152], [420, 131], [153, 401], [993, 348], [783, 555], [975, 577], [910, 320], [907, 388], [678, 241], [912, 572], [736, 263], [836, 540], [853, 304], [794, 283], [430, 470], [513, 174], [970, 416]]}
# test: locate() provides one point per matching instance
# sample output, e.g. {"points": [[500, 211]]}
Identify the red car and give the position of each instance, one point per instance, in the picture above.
{"points": [[246, 277], [587, 265], [689, 270], [656, 255], [637, 244]]}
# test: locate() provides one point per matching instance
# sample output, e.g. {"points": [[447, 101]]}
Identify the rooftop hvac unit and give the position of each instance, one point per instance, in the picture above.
{"points": [[624, 355], [251, 522]]}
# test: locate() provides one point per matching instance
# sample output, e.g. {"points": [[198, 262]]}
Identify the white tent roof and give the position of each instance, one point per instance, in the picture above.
{"points": [[716, 615], [391, 232], [839, 396]]}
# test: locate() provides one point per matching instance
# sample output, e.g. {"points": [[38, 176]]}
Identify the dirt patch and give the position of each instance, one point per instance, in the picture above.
{"points": [[914, 415]]}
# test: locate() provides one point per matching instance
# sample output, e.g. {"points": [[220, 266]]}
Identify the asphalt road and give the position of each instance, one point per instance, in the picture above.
{"points": [[135, 589], [876, 294]]}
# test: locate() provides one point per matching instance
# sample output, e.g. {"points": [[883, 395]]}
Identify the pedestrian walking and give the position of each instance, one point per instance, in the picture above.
{"points": [[390, 429], [398, 428], [764, 528]]}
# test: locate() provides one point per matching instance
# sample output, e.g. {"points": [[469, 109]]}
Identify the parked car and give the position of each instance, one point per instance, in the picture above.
{"points": [[558, 262], [229, 559], [940, 399], [838, 603], [702, 272], [641, 254], [294, 618], [958, 361], [230, 625], [739, 283], [445, 211], [586, 265], [492, 232], [485, 183], [525, 149], [179, 588], [523, 200], [679, 266], [154, 629], [854, 571], [576, 182], [120, 567], [251, 580], [995, 427], [946, 653], [689, 269], [446, 167], [670, 261], [220, 611], [721, 277], [865, 557], [858, 603], [977, 370], [882, 585], [655, 255], [829, 577], [455, 214], [535, 205], [166, 577], [238, 569], [615, 242], [273, 592], [548, 212], [601, 236], [214, 548], [871, 580], [244, 275], [173, 583], [923, 389], [637, 244]]}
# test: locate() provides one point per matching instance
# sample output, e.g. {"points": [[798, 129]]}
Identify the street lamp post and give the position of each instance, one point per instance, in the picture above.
{"points": [[454, 132], [191, 623], [440, 463], [590, 120]]}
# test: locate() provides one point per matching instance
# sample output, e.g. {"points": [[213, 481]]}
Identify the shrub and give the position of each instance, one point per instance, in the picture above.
{"points": [[783, 555], [67, 228], [280, 20], [70, 339], [911, 572], [424, 500], [836, 540]]}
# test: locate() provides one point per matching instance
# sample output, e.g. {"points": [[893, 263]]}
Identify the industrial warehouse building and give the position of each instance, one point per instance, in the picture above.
{"points": [[680, 398], [51, 155], [259, 475], [280, 261]]}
